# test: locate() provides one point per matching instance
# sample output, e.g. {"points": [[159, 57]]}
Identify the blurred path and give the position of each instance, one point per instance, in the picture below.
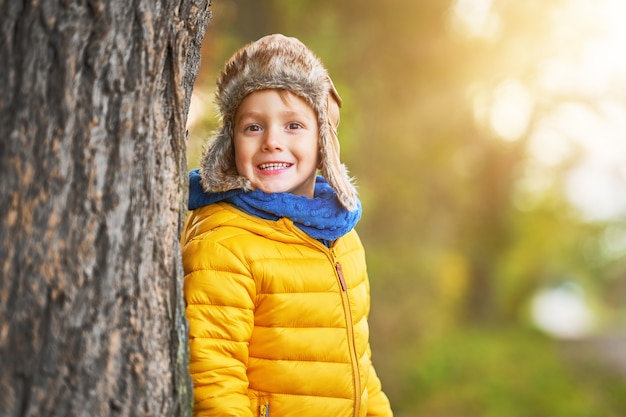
{"points": [[607, 349]]}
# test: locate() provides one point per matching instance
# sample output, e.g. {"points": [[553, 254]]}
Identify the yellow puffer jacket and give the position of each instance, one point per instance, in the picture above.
{"points": [[277, 321]]}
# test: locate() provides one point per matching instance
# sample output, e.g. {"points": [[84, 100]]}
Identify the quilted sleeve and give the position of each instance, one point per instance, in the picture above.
{"points": [[219, 293], [378, 405]]}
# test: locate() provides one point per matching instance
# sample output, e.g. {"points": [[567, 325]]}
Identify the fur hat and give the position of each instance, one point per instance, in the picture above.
{"points": [[285, 63]]}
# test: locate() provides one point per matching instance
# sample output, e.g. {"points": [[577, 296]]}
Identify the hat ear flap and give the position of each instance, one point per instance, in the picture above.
{"points": [[331, 167], [218, 172]]}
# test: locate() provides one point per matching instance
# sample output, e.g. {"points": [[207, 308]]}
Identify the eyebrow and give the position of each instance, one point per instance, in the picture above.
{"points": [[286, 114]]}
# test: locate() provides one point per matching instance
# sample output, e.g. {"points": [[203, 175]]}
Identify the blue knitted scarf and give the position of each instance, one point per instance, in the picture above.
{"points": [[321, 217]]}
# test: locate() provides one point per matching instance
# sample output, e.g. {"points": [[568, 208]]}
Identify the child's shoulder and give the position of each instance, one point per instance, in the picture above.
{"points": [[221, 221], [210, 217]]}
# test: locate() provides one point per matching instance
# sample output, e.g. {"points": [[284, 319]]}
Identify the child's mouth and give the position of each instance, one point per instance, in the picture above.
{"points": [[273, 166]]}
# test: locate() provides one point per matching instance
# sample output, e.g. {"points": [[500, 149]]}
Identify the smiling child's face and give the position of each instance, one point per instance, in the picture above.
{"points": [[276, 142]]}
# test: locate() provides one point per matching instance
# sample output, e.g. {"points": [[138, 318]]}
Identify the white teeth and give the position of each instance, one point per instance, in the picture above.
{"points": [[272, 166]]}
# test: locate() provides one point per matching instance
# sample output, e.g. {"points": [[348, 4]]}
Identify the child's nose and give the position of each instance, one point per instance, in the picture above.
{"points": [[272, 140]]}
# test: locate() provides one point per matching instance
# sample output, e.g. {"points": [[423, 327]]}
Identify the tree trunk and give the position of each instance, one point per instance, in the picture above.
{"points": [[93, 104]]}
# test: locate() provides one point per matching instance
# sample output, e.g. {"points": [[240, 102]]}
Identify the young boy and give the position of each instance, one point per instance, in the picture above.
{"points": [[276, 285]]}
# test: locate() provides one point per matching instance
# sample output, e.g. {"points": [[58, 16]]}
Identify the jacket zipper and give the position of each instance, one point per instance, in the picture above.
{"points": [[351, 342], [342, 279]]}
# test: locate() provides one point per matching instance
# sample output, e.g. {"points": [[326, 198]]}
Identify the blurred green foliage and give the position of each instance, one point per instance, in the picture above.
{"points": [[504, 373], [457, 246]]}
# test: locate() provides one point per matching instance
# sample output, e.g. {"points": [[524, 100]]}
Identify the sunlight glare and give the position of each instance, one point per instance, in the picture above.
{"points": [[563, 311], [474, 19], [588, 73], [588, 60], [549, 146], [511, 110], [596, 193]]}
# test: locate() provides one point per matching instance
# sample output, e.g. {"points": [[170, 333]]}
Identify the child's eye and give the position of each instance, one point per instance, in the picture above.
{"points": [[252, 128], [294, 125]]}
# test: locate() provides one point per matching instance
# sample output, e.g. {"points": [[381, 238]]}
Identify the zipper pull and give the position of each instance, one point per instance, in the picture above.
{"points": [[265, 410], [342, 279]]}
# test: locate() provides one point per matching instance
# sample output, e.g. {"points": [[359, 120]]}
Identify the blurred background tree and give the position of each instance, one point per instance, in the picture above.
{"points": [[488, 140]]}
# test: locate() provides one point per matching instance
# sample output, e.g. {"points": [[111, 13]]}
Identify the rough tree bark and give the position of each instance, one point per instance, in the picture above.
{"points": [[93, 104]]}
